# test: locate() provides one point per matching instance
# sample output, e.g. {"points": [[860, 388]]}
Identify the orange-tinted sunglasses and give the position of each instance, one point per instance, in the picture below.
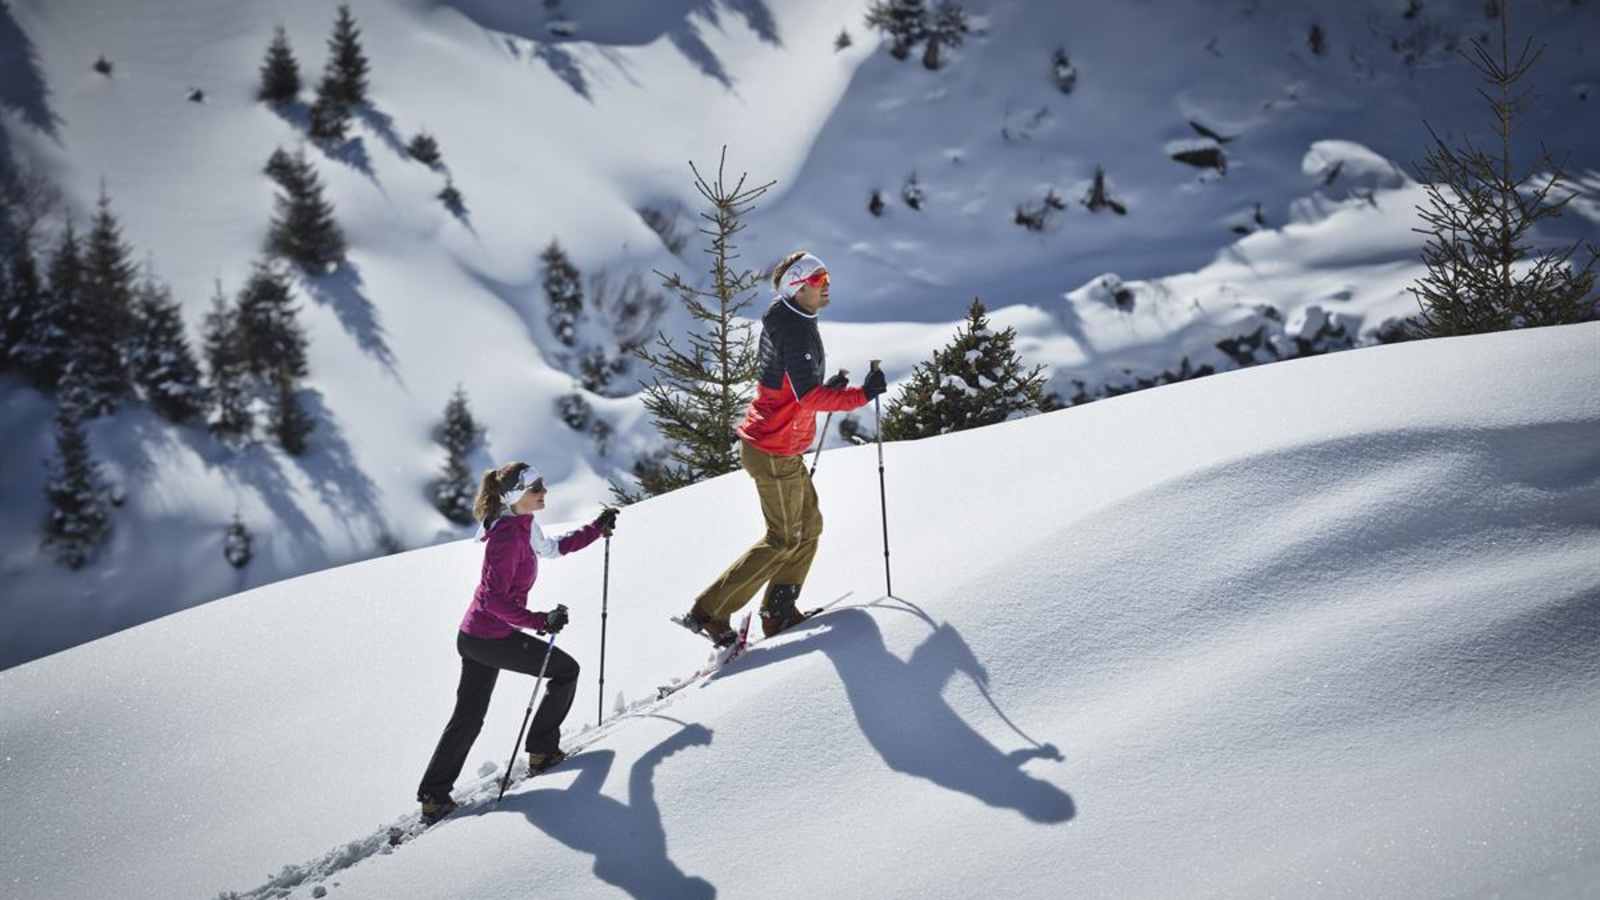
{"points": [[816, 279]]}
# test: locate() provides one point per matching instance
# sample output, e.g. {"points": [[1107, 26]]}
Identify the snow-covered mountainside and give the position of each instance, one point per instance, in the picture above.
{"points": [[1324, 628], [569, 132]]}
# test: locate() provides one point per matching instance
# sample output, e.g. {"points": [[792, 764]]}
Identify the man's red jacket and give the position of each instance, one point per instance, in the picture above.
{"points": [[782, 419]]}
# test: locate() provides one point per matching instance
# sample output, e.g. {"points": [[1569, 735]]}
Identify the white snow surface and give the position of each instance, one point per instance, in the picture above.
{"points": [[1323, 628], [565, 135]]}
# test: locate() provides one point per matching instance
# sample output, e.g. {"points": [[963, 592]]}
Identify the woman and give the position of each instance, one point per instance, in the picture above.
{"points": [[490, 639]]}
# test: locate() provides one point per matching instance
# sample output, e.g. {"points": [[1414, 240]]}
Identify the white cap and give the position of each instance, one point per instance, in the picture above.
{"points": [[529, 477]]}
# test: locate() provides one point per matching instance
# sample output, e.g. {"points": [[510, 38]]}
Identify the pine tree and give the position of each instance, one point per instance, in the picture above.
{"points": [[303, 227], [290, 423], [159, 356], [79, 519], [330, 119], [231, 418], [347, 68], [51, 344], [236, 543], [977, 379], [107, 300], [271, 340], [698, 393], [949, 29], [280, 73], [1479, 218], [424, 148], [842, 41], [454, 492], [563, 289], [904, 21]]}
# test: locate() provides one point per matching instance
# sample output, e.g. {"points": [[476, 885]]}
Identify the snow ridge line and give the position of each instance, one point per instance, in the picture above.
{"points": [[481, 794]]}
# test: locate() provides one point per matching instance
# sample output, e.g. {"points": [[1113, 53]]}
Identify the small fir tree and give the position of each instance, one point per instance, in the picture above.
{"points": [[451, 197], [159, 356], [271, 341], [911, 192], [948, 29], [106, 296], [304, 230], [1062, 71], [52, 341], [454, 491], [563, 289], [842, 41], [424, 148], [698, 392], [977, 379], [347, 69], [280, 73], [236, 543], [103, 66], [230, 419], [330, 119], [1097, 198], [905, 22], [1479, 217], [79, 518]]}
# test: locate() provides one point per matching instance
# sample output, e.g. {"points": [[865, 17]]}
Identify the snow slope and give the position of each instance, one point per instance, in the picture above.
{"points": [[568, 136], [1324, 628]]}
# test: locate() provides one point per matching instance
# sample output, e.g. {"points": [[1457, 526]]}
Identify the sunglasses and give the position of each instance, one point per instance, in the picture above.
{"points": [[816, 279]]}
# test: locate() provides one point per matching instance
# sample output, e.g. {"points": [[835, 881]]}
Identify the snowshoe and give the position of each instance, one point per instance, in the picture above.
{"points": [[720, 634]]}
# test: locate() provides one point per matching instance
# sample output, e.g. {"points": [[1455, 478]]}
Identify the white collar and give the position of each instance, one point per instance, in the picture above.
{"points": [[795, 309]]}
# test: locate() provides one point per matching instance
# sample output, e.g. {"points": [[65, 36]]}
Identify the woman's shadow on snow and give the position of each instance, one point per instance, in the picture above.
{"points": [[900, 707], [627, 841]]}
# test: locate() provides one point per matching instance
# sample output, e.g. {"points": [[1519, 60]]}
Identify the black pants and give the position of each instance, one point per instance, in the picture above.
{"points": [[481, 662]]}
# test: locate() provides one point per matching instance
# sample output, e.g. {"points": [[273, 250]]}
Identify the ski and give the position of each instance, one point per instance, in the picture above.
{"points": [[719, 658]]}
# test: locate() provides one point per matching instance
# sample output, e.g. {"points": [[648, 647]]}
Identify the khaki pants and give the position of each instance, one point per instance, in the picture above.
{"points": [[784, 553]]}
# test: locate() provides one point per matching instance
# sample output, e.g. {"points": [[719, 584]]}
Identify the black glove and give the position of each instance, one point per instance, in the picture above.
{"points": [[555, 620], [607, 520], [875, 384], [840, 381]]}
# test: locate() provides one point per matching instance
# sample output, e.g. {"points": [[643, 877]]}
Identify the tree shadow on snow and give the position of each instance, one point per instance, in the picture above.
{"points": [[627, 841], [900, 707], [343, 291], [330, 464]]}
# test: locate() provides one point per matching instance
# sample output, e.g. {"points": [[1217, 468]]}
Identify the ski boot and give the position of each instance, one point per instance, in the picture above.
{"points": [[539, 762], [436, 808], [777, 609], [720, 634]]}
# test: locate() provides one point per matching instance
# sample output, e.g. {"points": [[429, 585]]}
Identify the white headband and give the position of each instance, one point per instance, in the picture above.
{"points": [[803, 268], [511, 495]]}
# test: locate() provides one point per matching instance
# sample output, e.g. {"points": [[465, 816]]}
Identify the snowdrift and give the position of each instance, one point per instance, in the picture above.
{"points": [[1329, 627]]}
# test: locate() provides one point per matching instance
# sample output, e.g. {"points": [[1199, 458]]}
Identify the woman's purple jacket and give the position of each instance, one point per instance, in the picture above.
{"points": [[510, 564]]}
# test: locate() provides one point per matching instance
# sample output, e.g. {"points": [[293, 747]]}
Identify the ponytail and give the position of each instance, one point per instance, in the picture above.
{"points": [[486, 507]]}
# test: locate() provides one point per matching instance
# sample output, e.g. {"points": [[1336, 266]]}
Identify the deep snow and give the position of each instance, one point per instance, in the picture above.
{"points": [[1324, 628]]}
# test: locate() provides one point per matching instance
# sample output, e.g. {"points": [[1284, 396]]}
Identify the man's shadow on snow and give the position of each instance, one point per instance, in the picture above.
{"points": [[627, 841], [900, 707]]}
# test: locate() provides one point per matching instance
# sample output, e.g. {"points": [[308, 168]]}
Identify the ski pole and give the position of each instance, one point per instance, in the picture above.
{"points": [[605, 593], [505, 781], [826, 421], [883, 497]]}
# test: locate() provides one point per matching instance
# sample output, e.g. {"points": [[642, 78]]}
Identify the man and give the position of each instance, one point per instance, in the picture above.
{"points": [[778, 428]]}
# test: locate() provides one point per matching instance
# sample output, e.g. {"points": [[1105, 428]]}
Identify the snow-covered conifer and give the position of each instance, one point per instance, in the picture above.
{"points": [[230, 418], [79, 518], [976, 379], [904, 21], [948, 28], [304, 230], [159, 356], [236, 543], [424, 148], [563, 289], [454, 491], [347, 67]]}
